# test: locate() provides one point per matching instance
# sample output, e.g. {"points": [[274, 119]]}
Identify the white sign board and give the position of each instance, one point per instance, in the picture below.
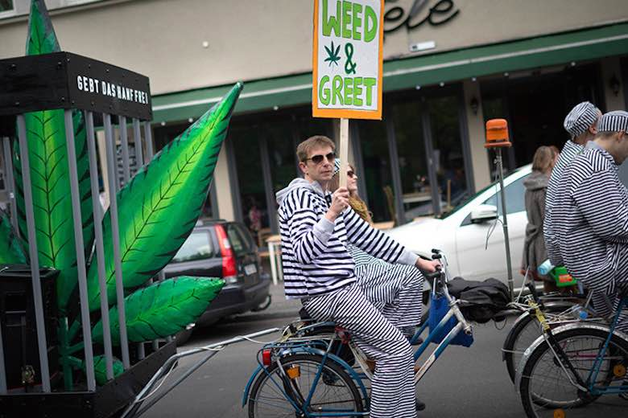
{"points": [[347, 59]]}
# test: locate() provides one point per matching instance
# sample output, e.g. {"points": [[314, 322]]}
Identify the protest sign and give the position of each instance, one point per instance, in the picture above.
{"points": [[347, 59]]}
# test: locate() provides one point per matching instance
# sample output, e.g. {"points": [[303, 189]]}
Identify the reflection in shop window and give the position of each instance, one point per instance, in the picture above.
{"points": [[448, 151], [6, 6], [377, 172], [250, 177]]}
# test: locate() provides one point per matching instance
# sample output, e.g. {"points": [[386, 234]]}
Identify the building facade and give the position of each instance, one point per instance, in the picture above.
{"points": [[449, 65]]}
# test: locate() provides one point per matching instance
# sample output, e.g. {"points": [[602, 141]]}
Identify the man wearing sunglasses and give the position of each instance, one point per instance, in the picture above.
{"points": [[315, 228]]}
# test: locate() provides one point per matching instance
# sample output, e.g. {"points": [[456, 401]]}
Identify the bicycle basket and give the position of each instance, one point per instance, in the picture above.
{"points": [[438, 309]]}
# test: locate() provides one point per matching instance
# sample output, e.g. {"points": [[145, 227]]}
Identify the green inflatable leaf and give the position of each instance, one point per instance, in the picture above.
{"points": [[162, 309], [11, 248], [100, 369], [160, 206], [52, 201]]}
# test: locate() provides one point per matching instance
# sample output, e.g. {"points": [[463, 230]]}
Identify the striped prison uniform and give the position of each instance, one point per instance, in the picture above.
{"points": [[318, 269], [590, 221], [394, 289], [568, 154]]}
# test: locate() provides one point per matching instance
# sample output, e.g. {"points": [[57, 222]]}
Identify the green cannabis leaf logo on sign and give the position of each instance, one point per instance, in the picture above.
{"points": [[332, 54]]}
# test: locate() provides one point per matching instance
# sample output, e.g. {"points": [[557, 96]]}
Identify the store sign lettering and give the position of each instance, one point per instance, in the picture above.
{"points": [[442, 12]]}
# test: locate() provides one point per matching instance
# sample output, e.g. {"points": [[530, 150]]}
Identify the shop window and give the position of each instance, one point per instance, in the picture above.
{"points": [[413, 169], [377, 170], [448, 152], [248, 162]]}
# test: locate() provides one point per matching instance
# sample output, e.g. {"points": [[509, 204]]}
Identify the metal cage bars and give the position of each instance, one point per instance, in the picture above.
{"points": [[98, 213]]}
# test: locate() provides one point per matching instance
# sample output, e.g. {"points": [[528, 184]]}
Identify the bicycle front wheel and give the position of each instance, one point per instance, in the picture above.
{"points": [[274, 394], [525, 331], [546, 389]]}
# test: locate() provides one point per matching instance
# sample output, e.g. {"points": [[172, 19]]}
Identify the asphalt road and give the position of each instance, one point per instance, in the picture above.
{"points": [[470, 382]]}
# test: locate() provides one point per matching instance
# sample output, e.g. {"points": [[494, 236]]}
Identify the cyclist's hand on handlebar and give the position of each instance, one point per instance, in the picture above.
{"points": [[429, 266]]}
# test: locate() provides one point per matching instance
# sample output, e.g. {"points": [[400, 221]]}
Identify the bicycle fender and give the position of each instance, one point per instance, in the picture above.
{"points": [[247, 388], [509, 336], [562, 328]]}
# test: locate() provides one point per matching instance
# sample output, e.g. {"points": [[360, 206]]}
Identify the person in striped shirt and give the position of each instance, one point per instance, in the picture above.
{"points": [[581, 124], [396, 290], [590, 217], [315, 228]]}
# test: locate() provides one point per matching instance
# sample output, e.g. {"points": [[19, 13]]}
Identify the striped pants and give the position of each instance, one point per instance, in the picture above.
{"points": [[394, 289], [392, 387], [610, 290]]}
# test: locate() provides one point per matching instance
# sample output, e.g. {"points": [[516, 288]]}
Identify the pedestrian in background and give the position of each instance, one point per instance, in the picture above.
{"points": [[534, 252]]}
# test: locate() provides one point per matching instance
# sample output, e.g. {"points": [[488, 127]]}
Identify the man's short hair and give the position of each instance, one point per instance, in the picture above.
{"points": [[316, 141]]}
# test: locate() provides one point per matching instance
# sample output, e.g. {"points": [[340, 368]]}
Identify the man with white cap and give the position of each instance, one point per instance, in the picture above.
{"points": [[581, 124], [590, 218]]}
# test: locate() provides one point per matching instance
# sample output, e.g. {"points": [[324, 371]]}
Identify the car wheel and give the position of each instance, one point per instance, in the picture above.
{"points": [[264, 305]]}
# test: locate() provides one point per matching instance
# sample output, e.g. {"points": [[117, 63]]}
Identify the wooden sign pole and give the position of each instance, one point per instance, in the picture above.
{"points": [[343, 151]]}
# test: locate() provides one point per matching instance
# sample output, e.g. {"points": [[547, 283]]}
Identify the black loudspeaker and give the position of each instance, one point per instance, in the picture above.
{"points": [[19, 325]]}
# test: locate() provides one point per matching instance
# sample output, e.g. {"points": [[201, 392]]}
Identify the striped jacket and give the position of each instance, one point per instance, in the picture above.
{"points": [[314, 250], [590, 218], [568, 154]]}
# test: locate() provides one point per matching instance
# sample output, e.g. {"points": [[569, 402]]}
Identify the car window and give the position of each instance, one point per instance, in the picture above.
{"points": [[515, 197], [238, 240], [196, 247]]}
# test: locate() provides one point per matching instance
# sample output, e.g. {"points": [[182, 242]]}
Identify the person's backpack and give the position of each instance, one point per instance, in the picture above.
{"points": [[479, 301]]}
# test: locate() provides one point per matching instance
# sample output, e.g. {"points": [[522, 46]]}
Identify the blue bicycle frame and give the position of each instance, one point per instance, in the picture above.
{"points": [[592, 378]]}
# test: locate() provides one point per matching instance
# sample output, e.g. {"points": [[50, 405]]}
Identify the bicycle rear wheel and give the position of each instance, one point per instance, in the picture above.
{"points": [[546, 390], [275, 395]]}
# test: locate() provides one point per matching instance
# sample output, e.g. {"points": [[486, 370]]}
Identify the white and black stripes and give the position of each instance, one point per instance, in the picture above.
{"points": [[590, 220], [394, 289], [581, 117], [392, 391], [614, 122], [570, 151], [314, 255]]}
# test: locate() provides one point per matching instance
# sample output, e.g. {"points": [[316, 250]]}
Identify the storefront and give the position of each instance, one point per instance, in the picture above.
{"points": [[448, 68]]}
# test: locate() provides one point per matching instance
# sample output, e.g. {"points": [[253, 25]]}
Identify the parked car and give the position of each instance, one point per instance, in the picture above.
{"points": [[217, 248], [471, 236]]}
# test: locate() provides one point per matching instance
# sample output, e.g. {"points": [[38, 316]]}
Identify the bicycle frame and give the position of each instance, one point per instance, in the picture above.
{"points": [[462, 325]]}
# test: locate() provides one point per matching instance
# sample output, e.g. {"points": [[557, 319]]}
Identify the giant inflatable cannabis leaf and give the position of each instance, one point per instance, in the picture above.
{"points": [[52, 201], [160, 206], [162, 309], [11, 248]]}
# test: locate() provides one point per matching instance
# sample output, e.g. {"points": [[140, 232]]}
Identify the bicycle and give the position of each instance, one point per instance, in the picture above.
{"points": [[571, 366], [559, 308], [317, 370]]}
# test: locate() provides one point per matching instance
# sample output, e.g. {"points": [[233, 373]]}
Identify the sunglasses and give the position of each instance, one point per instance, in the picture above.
{"points": [[317, 159]]}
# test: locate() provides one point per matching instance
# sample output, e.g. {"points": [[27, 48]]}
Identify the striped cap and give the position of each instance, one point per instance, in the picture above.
{"points": [[615, 121], [336, 166], [581, 117]]}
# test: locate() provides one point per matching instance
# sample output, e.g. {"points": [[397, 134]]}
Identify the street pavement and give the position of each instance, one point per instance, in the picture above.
{"points": [[470, 382]]}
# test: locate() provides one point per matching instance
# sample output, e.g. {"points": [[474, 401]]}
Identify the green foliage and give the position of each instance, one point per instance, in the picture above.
{"points": [[100, 369], [162, 309], [52, 201], [160, 206], [11, 248]]}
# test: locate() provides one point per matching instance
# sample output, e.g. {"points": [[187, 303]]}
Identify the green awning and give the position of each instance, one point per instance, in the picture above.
{"points": [[587, 44]]}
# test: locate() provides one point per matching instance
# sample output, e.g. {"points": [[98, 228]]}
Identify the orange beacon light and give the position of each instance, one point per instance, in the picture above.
{"points": [[497, 134]]}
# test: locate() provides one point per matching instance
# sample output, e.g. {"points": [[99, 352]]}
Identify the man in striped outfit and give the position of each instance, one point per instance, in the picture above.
{"points": [[581, 124], [590, 217], [315, 228]]}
